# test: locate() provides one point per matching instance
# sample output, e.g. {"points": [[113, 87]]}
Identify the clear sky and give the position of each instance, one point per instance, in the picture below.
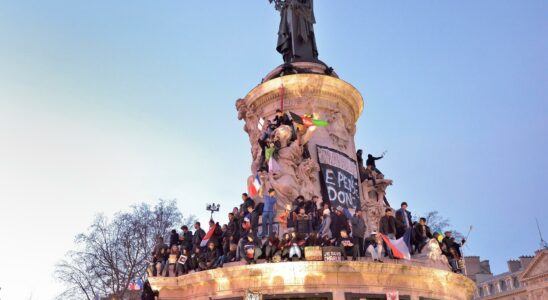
{"points": [[108, 103]]}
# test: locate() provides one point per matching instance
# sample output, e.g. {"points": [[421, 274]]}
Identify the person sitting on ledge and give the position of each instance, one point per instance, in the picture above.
{"points": [[296, 248], [252, 248], [184, 266], [271, 247], [313, 240], [195, 259], [210, 257], [346, 245], [244, 231], [160, 254], [284, 246], [374, 246], [174, 255]]}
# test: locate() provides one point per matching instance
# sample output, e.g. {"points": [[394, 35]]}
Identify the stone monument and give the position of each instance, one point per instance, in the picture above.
{"points": [[311, 152]]}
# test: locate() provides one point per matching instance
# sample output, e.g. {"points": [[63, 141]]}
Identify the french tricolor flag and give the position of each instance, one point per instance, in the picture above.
{"points": [[398, 247], [208, 236], [254, 186]]}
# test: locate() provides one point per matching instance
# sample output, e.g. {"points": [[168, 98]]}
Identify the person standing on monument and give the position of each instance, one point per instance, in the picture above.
{"points": [[404, 220], [371, 162], [247, 201], [186, 238], [421, 235], [387, 224], [230, 233], [339, 222], [198, 236], [270, 201], [358, 231]]}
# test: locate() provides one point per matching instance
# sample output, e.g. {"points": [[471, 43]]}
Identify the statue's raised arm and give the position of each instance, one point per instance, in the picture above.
{"points": [[296, 39]]}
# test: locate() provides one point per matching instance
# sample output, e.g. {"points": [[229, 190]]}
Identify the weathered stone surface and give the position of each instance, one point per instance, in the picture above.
{"points": [[317, 277]]}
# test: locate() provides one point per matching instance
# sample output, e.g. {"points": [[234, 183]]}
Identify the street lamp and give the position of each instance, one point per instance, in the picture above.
{"points": [[213, 208]]}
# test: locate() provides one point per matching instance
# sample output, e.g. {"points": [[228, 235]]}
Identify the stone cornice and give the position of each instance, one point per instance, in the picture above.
{"points": [[299, 277]]}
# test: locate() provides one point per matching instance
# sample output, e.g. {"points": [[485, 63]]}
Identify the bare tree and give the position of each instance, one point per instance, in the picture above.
{"points": [[113, 253], [438, 223]]}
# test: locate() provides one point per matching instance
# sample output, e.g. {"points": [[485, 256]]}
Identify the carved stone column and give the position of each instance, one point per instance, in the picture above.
{"points": [[326, 98]]}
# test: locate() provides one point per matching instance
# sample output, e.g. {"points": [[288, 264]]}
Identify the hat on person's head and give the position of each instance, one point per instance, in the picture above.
{"points": [[339, 208], [326, 211]]}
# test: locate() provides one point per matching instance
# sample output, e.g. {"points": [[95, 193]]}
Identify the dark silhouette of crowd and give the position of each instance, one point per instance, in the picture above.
{"points": [[251, 235]]}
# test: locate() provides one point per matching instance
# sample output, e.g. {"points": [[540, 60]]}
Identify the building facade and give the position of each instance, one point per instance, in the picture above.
{"points": [[526, 279]]}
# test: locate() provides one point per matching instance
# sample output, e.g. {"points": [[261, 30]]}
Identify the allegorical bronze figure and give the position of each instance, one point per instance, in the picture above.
{"points": [[296, 40]]}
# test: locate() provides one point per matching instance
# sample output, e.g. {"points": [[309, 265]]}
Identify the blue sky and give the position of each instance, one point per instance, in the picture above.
{"points": [[108, 103]]}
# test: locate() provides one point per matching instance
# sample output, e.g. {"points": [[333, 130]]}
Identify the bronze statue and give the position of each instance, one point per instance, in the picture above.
{"points": [[296, 40]]}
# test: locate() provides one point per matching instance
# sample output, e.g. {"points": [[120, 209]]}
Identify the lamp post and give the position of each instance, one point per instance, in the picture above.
{"points": [[213, 208]]}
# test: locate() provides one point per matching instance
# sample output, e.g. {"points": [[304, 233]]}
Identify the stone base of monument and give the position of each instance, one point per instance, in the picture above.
{"points": [[318, 280]]}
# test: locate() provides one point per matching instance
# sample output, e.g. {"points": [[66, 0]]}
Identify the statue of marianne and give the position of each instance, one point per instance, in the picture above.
{"points": [[296, 40]]}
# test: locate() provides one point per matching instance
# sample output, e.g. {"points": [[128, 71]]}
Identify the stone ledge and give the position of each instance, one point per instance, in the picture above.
{"points": [[315, 277]]}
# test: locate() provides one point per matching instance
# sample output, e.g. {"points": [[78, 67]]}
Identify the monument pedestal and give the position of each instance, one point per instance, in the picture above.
{"points": [[318, 280]]}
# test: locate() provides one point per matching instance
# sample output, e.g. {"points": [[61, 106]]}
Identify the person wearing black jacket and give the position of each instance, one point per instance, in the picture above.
{"points": [[271, 247], [371, 162], [387, 224], [282, 119], [148, 293], [160, 254], [404, 220], [198, 236], [210, 257], [313, 240], [347, 246], [186, 238], [421, 234], [173, 238], [230, 233], [217, 234], [253, 216], [196, 258], [252, 248], [358, 230], [247, 202], [338, 222]]}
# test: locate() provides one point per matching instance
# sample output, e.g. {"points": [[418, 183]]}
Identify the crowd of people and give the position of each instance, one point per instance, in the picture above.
{"points": [[252, 234]]}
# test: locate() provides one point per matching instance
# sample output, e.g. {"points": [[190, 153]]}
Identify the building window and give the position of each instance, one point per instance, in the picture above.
{"points": [[503, 287], [516, 283], [492, 289]]}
